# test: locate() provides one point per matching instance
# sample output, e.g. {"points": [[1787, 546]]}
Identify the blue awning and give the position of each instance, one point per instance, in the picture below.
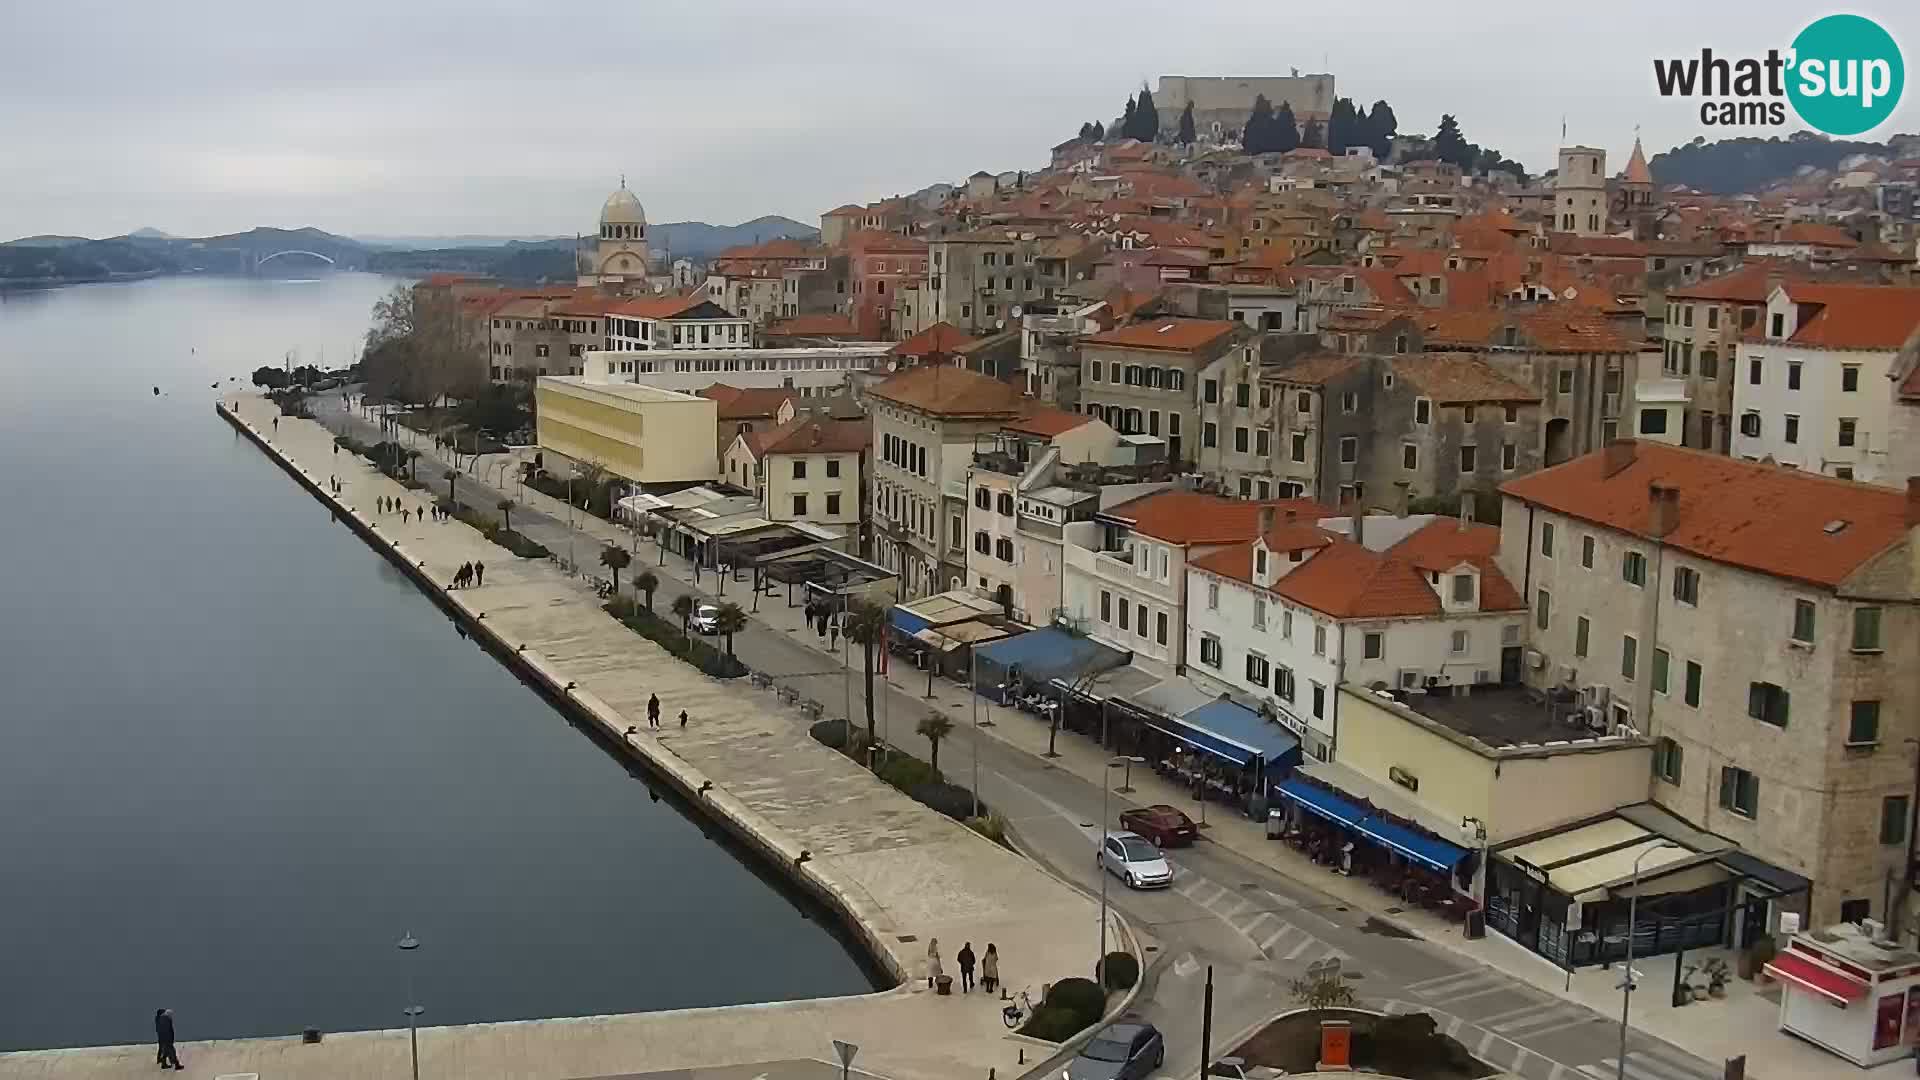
{"points": [[1232, 732], [1324, 803], [906, 621], [1427, 850], [1205, 741], [1050, 653]]}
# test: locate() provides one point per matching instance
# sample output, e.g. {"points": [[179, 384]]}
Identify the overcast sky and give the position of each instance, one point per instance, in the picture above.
{"points": [[420, 116]]}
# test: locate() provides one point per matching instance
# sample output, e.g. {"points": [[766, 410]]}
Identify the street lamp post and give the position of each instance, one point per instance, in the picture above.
{"points": [[407, 945], [1626, 978], [1106, 798]]}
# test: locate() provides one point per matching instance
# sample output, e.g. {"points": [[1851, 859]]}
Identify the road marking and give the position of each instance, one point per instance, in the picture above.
{"points": [[1453, 1026], [1285, 929], [1539, 1017], [1529, 1009], [1186, 965], [1307, 943], [1259, 918], [1640, 1068], [1445, 984], [1486, 1040], [1688, 1069]]}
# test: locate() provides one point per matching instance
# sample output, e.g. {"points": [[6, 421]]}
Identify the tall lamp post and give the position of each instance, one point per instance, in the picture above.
{"points": [[407, 945], [1106, 797], [1626, 978]]}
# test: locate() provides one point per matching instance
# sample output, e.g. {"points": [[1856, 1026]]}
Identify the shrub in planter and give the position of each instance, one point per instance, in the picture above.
{"points": [[992, 826], [834, 732], [907, 773], [1119, 971], [1082, 998], [1052, 1024], [950, 799]]}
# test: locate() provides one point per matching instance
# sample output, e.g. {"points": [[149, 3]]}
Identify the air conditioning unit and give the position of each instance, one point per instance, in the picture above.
{"points": [[1442, 679], [1594, 695], [1536, 660], [1408, 678], [1596, 718], [1789, 923], [1872, 928], [1624, 731]]}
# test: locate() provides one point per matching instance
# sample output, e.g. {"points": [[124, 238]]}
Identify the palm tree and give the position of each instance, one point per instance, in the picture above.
{"points": [[449, 476], [934, 728], [505, 507], [683, 610], [412, 456], [730, 621], [866, 626], [615, 558], [646, 581]]}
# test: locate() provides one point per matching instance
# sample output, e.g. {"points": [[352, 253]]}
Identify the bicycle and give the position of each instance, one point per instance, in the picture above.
{"points": [[1016, 1014]]}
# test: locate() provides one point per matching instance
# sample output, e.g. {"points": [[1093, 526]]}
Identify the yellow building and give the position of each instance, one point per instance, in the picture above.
{"points": [[641, 433]]}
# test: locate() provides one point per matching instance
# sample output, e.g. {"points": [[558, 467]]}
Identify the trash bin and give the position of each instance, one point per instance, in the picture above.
{"points": [[943, 985], [1476, 927], [1276, 826]]}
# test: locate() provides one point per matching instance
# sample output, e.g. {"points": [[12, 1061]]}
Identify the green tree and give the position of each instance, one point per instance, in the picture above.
{"points": [[934, 728], [269, 378], [505, 506], [1126, 120], [1286, 129], [1450, 146], [1321, 992], [1343, 126], [1099, 131], [866, 626], [615, 558], [1315, 137], [1382, 126], [1086, 131], [647, 582], [1146, 118], [1258, 137], [730, 621], [683, 610], [1186, 124]]}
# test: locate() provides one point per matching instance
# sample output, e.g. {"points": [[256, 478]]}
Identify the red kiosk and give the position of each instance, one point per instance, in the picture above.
{"points": [[1849, 993]]}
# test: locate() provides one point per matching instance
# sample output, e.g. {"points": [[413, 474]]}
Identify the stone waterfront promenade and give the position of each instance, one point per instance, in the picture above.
{"points": [[900, 872]]}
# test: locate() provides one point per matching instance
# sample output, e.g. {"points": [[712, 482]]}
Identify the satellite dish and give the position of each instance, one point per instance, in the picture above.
{"points": [[1014, 311]]}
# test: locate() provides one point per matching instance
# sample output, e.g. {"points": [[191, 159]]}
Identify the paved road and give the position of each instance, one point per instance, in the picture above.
{"points": [[1256, 927], [794, 1069]]}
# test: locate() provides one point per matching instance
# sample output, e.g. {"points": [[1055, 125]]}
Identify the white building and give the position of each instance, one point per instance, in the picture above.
{"points": [[1817, 393], [673, 322], [809, 372], [1125, 577], [1758, 624], [618, 258], [1414, 603], [1580, 191]]}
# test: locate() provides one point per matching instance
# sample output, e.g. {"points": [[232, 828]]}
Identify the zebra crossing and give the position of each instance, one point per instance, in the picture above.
{"points": [[1275, 938], [1649, 1065]]}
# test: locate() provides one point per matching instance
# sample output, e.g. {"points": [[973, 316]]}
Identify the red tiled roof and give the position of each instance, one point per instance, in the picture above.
{"points": [[950, 391], [1195, 517], [1346, 580], [1766, 518], [817, 325], [1047, 422], [812, 435], [1816, 235], [1176, 335], [941, 337], [1315, 370], [1455, 379], [1752, 283], [1856, 316], [1543, 331], [746, 403]]}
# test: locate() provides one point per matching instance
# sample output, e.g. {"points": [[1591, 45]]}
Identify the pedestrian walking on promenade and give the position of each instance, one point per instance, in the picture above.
{"points": [[276, 423], [403, 515], [683, 719], [336, 449], [461, 575], [479, 573], [653, 710], [965, 959], [990, 969], [165, 1054], [933, 962]]}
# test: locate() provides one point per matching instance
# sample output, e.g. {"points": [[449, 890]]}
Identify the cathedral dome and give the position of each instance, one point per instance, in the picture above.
{"points": [[622, 208]]}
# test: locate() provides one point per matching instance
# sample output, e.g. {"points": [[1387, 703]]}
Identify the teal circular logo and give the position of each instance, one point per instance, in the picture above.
{"points": [[1846, 76]]}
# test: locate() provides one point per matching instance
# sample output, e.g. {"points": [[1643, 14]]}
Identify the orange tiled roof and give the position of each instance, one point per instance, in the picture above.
{"points": [[1315, 370], [1765, 518], [950, 391], [1543, 331], [1347, 580], [806, 434], [1856, 316], [1047, 422], [746, 403], [816, 325], [1458, 379], [941, 337], [1816, 234], [1195, 517], [1175, 335]]}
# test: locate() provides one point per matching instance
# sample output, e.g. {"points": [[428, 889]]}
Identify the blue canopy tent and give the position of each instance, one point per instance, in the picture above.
{"points": [[1045, 654]]}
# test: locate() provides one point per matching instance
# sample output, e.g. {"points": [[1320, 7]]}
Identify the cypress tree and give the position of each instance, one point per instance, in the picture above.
{"points": [[1382, 126], [1186, 124], [1146, 118], [1258, 137], [1286, 130]]}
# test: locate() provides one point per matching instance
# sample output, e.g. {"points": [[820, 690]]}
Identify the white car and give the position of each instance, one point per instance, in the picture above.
{"points": [[1132, 859], [706, 619]]}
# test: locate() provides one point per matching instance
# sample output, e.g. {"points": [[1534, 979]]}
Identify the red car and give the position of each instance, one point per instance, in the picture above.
{"points": [[1164, 825]]}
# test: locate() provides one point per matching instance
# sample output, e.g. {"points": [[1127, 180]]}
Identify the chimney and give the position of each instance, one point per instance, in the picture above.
{"points": [[1466, 510], [1663, 510], [1266, 519], [1620, 453]]}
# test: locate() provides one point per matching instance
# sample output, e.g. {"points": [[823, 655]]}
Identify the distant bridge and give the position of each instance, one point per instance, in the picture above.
{"points": [[263, 260]]}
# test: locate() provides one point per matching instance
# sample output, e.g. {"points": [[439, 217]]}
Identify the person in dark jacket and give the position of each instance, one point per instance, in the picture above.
{"points": [[163, 1035], [653, 710], [965, 960], [479, 573]]}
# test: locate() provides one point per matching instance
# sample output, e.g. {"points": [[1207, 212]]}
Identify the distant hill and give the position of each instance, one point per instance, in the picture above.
{"points": [[535, 261], [47, 241], [1732, 166]]}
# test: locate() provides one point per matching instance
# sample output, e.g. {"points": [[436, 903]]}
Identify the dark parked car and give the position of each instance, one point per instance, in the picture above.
{"points": [[1122, 1052], [1162, 824]]}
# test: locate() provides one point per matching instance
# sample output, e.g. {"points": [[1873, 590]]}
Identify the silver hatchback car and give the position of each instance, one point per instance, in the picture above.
{"points": [[1132, 859]]}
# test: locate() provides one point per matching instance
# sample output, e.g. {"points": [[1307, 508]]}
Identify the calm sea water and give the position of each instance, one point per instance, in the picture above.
{"points": [[240, 756]]}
